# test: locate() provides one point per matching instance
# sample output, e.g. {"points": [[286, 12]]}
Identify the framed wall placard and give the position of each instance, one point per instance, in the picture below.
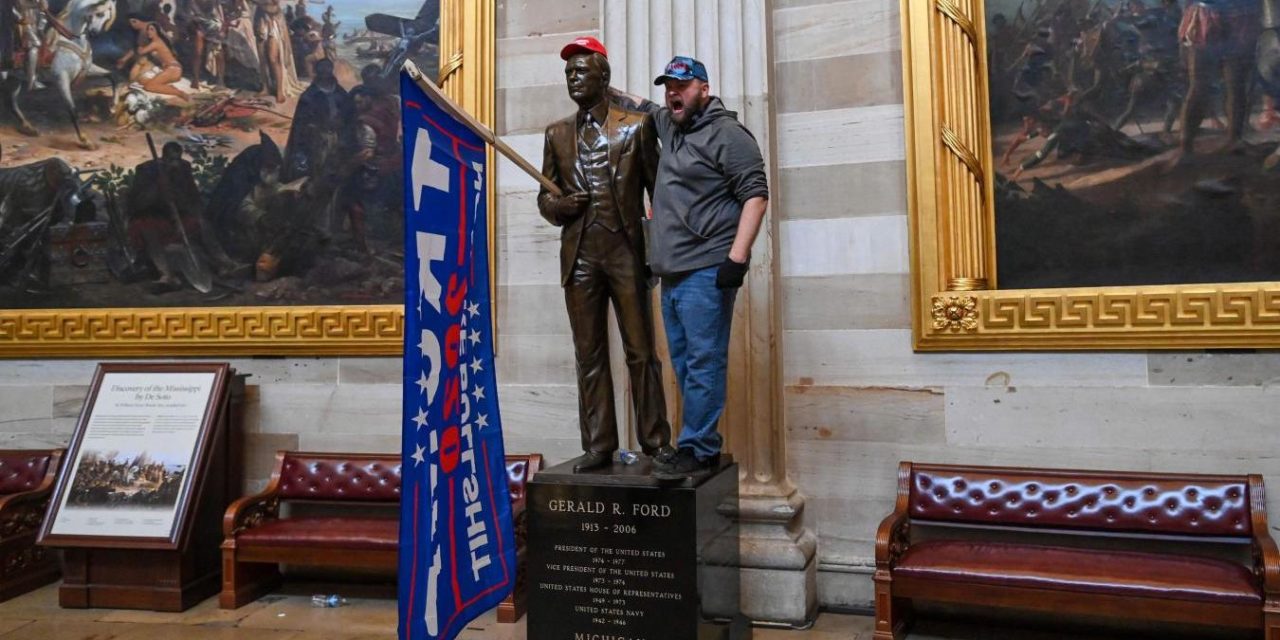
{"points": [[137, 460]]}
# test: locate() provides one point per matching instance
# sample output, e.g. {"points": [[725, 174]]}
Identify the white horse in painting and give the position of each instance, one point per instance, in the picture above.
{"points": [[72, 60]]}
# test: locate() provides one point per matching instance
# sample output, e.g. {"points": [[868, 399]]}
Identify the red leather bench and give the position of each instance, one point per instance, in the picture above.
{"points": [[258, 539], [26, 484], [1187, 526]]}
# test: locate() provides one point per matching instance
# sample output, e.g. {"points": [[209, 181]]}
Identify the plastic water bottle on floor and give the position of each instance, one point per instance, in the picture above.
{"points": [[327, 601]]}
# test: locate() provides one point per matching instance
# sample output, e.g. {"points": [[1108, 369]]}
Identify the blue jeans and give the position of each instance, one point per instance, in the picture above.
{"points": [[697, 316]]}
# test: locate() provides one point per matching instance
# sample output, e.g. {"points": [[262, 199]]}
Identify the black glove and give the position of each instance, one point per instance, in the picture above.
{"points": [[730, 274], [569, 206]]}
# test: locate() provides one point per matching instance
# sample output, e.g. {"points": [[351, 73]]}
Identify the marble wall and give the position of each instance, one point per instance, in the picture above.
{"points": [[858, 399]]}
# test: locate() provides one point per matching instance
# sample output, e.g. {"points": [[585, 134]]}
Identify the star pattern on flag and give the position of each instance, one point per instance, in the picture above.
{"points": [[476, 366], [419, 455], [474, 336], [482, 421], [421, 418], [422, 382], [478, 394], [473, 309]]}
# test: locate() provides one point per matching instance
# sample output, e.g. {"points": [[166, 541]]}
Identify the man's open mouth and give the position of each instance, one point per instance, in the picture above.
{"points": [[676, 105]]}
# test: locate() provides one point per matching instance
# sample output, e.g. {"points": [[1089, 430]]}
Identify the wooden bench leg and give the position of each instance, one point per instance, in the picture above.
{"points": [[27, 567], [512, 608], [891, 613], [1271, 625], [244, 582]]}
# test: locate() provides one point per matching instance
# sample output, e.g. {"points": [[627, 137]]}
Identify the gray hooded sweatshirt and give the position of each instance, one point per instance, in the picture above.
{"points": [[706, 172]]}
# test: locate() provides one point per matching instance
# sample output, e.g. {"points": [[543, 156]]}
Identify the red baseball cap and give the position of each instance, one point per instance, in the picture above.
{"points": [[584, 44]]}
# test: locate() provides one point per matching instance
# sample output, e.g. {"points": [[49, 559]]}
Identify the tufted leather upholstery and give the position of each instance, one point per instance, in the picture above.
{"points": [[373, 534], [1122, 573], [517, 478], [1191, 505], [310, 476], [307, 476], [22, 470]]}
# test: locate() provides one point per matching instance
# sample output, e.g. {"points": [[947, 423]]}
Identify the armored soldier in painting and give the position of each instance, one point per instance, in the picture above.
{"points": [[604, 159], [31, 20]]}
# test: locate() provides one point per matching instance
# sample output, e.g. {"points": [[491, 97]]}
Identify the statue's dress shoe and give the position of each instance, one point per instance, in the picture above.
{"points": [[591, 460]]}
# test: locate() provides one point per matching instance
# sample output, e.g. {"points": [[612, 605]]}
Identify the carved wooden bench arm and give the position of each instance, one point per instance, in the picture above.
{"points": [[1266, 560], [22, 513], [251, 511], [1266, 555], [892, 539], [894, 535]]}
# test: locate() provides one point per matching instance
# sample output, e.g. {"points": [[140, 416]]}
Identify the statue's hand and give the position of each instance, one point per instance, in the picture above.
{"points": [[569, 206]]}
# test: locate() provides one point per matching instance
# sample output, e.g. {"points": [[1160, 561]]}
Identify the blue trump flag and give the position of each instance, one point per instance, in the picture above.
{"points": [[457, 549]]}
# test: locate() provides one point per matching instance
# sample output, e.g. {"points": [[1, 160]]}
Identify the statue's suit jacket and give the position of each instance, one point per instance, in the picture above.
{"points": [[633, 160]]}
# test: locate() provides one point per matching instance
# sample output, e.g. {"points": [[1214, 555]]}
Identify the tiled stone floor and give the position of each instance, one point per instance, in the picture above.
{"points": [[37, 616]]}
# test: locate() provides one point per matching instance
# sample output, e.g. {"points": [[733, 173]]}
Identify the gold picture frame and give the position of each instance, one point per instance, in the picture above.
{"points": [[956, 302], [467, 74]]}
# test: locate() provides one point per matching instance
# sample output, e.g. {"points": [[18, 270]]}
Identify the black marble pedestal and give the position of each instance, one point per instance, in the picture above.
{"points": [[617, 555]]}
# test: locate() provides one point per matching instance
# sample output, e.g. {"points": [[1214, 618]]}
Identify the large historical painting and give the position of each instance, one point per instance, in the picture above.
{"points": [[1135, 141], [1093, 173], [204, 153]]}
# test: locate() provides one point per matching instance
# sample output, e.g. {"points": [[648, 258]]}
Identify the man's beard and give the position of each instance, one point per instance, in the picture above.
{"points": [[692, 110]]}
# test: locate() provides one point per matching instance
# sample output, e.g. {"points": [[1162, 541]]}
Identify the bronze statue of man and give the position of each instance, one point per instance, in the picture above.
{"points": [[604, 158]]}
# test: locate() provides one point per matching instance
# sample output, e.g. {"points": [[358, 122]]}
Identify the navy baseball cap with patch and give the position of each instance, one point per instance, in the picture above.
{"points": [[683, 68]]}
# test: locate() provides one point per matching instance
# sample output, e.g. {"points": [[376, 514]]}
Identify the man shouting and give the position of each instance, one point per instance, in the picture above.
{"points": [[710, 199]]}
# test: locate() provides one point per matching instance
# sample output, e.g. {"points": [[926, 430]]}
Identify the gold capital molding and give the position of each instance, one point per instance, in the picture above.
{"points": [[966, 284]]}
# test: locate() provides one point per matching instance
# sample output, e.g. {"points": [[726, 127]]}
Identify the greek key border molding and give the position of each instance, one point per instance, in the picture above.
{"points": [[325, 330], [1225, 308], [1175, 317]]}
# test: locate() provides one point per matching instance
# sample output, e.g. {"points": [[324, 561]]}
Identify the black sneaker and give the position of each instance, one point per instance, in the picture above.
{"points": [[667, 468], [686, 464], [663, 455]]}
